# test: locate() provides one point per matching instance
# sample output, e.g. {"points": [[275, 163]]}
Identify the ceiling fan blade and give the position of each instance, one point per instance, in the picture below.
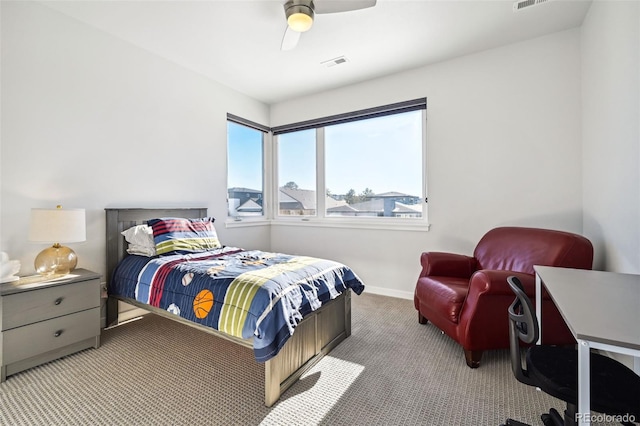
{"points": [[335, 6], [290, 39]]}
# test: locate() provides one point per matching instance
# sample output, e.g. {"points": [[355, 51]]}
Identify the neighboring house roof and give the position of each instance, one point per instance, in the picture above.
{"points": [[331, 203], [376, 205], [344, 208], [249, 206], [284, 198], [391, 194], [240, 189], [407, 208], [306, 197]]}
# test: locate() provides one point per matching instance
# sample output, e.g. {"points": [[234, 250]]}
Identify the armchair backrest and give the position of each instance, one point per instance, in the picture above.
{"points": [[518, 249]]}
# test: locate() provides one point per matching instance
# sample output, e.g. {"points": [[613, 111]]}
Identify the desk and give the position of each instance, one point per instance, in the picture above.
{"points": [[601, 310]]}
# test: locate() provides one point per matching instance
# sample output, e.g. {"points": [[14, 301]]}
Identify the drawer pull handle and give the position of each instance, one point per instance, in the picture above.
{"points": [[58, 301], [57, 333]]}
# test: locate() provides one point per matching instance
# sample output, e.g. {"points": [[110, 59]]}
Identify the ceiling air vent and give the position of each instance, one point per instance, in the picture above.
{"points": [[523, 4], [335, 61]]}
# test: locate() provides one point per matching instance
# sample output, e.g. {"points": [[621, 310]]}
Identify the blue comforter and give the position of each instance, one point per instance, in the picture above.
{"points": [[246, 294]]}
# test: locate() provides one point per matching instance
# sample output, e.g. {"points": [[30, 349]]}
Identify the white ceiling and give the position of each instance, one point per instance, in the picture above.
{"points": [[237, 42]]}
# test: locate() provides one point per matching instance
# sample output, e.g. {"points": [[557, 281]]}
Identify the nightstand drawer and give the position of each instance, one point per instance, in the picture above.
{"points": [[34, 339], [37, 305]]}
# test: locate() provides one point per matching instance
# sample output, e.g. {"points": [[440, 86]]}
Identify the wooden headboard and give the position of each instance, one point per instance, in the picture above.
{"points": [[120, 219]]}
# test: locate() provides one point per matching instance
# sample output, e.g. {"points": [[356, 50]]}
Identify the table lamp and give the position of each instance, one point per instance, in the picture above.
{"points": [[57, 226]]}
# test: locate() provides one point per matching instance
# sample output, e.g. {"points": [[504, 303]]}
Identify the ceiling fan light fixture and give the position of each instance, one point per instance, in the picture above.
{"points": [[300, 22], [299, 16]]}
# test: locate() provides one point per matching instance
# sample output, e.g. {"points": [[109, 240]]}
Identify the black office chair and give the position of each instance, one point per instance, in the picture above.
{"points": [[615, 389]]}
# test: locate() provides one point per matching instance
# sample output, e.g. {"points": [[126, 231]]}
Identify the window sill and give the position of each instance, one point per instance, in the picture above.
{"points": [[355, 224], [344, 224], [230, 223]]}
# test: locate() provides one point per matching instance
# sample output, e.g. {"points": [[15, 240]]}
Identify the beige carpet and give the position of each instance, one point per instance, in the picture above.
{"points": [[391, 371]]}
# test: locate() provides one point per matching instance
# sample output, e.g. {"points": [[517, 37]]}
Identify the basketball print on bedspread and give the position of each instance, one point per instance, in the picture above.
{"points": [[202, 304]]}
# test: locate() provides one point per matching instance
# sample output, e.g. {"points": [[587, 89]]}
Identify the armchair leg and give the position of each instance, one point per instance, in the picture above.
{"points": [[422, 319], [473, 358]]}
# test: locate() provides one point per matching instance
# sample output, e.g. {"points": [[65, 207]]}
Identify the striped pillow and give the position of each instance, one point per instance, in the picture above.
{"points": [[174, 235]]}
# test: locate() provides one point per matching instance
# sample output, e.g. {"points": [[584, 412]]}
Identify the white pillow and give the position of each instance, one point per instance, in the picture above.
{"points": [[140, 239], [141, 250]]}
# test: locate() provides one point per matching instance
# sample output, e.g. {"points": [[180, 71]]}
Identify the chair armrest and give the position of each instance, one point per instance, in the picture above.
{"points": [[484, 320], [494, 282], [447, 265]]}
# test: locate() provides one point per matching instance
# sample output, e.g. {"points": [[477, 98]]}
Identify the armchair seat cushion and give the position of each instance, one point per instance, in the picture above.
{"points": [[444, 295]]}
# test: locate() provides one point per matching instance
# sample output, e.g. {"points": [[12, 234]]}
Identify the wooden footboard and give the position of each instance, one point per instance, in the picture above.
{"points": [[314, 337]]}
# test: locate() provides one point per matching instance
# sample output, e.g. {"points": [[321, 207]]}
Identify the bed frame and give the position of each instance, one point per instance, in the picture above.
{"points": [[315, 336]]}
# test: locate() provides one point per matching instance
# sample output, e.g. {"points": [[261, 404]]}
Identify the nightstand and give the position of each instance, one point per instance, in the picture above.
{"points": [[45, 319]]}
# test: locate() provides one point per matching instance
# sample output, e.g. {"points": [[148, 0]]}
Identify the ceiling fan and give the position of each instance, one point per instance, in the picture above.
{"points": [[300, 14]]}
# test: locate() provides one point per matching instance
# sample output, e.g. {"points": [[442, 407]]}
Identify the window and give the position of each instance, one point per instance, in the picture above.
{"points": [[369, 165], [364, 167], [373, 167], [245, 160], [297, 173]]}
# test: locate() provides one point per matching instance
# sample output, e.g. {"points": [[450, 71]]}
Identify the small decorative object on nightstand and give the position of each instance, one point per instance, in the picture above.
{"points": [[8, 268], [44, 319], [57, 226]]}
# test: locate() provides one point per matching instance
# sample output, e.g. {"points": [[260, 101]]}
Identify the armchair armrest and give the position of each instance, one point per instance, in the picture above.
{"points": [[447, 265], [483, 317], [494, 282], [486, 304]]}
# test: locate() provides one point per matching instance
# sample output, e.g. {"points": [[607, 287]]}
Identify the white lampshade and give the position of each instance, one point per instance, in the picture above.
{"points": [[57, 225]]}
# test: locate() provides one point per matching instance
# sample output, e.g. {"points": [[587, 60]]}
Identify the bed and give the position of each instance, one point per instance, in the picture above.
{"points": [[319, 321]]}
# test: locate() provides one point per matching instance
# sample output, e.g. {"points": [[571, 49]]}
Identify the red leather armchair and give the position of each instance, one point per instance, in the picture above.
{"points": [[467, 296]]}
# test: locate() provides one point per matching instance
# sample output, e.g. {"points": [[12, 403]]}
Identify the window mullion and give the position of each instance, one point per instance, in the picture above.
{"points": [[425, 187], [321, 190], [269, 200]]}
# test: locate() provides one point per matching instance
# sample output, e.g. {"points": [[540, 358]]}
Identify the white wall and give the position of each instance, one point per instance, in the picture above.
{"points": [[611, 133], [504, 148], [89, 121]]}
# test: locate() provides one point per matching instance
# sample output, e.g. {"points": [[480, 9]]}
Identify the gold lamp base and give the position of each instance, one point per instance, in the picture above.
{"points": [[55, 260]]}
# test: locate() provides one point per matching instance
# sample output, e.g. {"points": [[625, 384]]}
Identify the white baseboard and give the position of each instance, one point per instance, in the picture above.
{"points": [[401, 294]]}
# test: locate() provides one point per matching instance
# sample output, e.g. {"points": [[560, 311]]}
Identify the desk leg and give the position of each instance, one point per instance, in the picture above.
{"points": [[584, 385], [539, 307]]}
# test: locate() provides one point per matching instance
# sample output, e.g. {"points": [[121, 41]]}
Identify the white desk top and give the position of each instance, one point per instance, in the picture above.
{"points": [[597, 306]]}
